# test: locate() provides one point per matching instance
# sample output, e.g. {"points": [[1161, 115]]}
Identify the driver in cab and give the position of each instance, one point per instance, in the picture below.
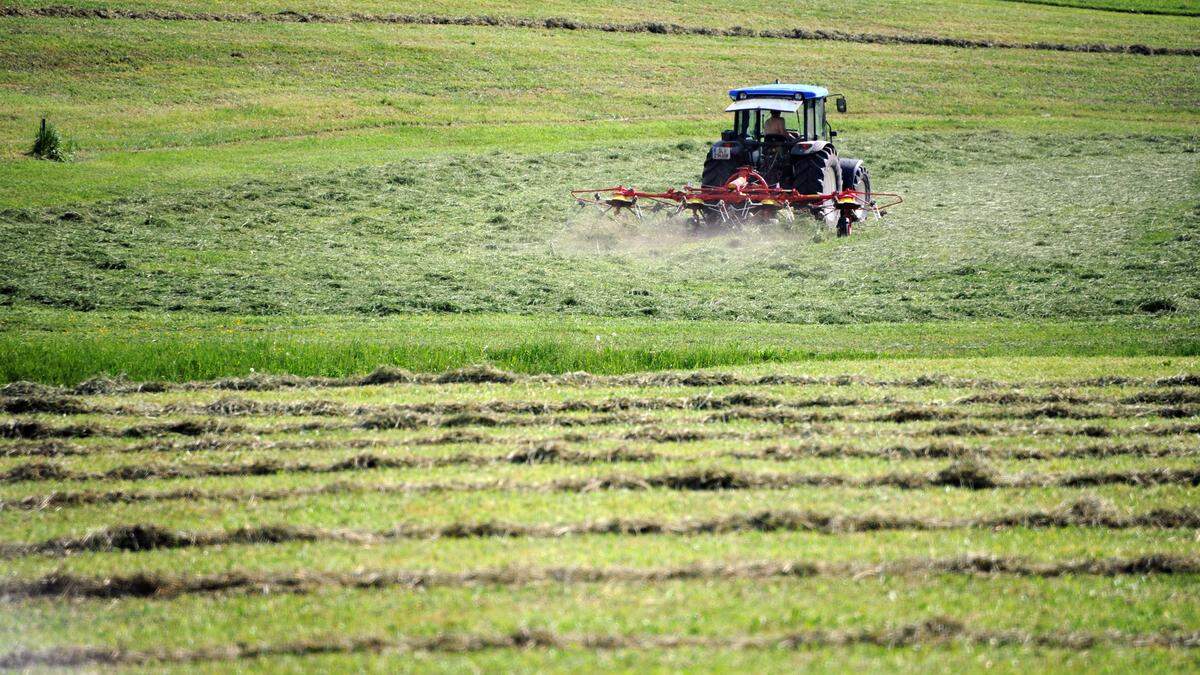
{"points": [[775, 126]]}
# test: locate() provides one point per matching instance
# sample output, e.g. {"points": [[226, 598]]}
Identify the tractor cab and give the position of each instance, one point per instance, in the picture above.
{"points": [[801, 108], [781, 132]]}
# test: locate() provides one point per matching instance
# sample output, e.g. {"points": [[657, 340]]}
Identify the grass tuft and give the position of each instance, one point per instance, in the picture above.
{"points": [[49, 145]]}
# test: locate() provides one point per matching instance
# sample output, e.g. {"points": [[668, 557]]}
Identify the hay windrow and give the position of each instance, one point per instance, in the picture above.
{"points": [[39, 443], [103, 384], [741, 404], [1086, 512], [149, 585], [552, 23], [540, 453], [24, 389], [932, 632], [53, 405], [967, 474], [387, 375], [782, 452], [1164, 396]]}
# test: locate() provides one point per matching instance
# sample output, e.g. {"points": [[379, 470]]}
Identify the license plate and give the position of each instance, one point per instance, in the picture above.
{"points": [[720, 152]]}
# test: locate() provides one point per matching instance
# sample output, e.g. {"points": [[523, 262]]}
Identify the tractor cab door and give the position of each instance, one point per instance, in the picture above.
{"points": [[816, 127], [747, 124]]}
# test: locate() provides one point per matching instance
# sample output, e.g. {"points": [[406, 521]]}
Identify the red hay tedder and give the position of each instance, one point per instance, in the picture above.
{"points": [[764, 169]]}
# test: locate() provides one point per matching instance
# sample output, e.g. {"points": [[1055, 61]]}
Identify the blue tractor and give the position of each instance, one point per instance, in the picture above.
{"points": [[777, 160], [782, 132]]}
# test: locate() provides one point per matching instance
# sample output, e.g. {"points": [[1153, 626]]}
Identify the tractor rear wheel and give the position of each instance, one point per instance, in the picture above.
{"points": [[717, 172], [860, 181], [819, 173]]}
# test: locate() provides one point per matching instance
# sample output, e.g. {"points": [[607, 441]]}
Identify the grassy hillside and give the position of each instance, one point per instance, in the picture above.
{"points": [[319, 97], [1169, 7], [999, 20], [375, 170]]}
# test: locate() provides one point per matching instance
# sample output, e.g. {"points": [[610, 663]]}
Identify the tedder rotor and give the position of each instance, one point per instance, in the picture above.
{"points": [[769, 167]]}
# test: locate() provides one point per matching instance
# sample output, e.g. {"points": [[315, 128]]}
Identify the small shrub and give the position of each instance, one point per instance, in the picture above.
{"points": [[50, 145]]}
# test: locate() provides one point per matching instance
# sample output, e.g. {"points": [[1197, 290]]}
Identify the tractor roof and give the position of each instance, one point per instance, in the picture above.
{"points": [[792, 91], [780, 104]]}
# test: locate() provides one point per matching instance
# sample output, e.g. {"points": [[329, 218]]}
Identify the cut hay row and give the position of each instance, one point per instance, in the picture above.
{"points": [[964, 474], [233, 407], [554, 23], [488, 375], [144, 585], [556, 451], [23, 428], [966, 477], [148, 536], [237, 407], [57, 447], [541, 454], [934, 631], [942, 413]]}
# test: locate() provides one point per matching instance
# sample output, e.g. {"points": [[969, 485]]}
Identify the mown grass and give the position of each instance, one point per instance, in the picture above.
{"points": [[540, 95], [535, 531], [230, 216], [451, 235], [810, 660], [1168, 7], [608, 551], [980, 19], [725, 607], [377, 512]]}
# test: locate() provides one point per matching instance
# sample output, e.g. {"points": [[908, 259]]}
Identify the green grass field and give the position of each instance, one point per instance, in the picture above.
{"points": [[307, 360], [65, 349], [855, 507], [1178, 8], [1057, 21]]}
